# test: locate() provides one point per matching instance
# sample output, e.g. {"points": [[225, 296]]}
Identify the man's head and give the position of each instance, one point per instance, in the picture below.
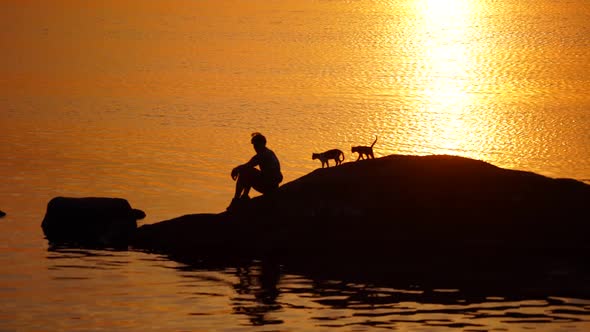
{"points": [[258, 141]]}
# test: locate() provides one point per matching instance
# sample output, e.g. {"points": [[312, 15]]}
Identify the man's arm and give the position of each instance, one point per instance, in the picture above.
{"points": [[254, 161]]}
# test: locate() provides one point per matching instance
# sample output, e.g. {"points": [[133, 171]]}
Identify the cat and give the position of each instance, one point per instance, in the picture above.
{"points": [[364, 151], [324, 157]]}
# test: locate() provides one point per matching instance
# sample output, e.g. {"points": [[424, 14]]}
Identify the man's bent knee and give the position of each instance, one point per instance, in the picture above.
{"points": [[248, 174], [266, 187]]}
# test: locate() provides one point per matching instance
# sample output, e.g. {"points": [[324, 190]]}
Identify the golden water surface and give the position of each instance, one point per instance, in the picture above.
{"points": [[154, 101], [157, 99]]}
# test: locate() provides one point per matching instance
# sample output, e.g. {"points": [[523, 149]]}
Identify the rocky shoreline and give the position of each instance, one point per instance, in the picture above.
{"points": [[391, 208], [394, 207]]}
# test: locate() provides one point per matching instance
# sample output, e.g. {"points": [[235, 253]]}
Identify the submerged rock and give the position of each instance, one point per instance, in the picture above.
{"points": [[390, 209], [90, 221]]}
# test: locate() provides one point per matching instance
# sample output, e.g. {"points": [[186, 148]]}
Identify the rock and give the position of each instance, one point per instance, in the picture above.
{"points": [[2, 214], [392, 208], [90, 221]]}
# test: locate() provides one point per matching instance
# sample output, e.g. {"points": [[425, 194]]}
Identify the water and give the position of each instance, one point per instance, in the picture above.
{"points": [[130, 291], [155, 101]]}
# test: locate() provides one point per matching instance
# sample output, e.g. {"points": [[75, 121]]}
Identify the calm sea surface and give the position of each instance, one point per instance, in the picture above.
{"points": [[154, 101]]}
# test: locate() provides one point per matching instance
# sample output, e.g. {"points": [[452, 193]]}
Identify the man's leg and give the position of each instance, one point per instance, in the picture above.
{"points": [[264, 186], [246, 178]]}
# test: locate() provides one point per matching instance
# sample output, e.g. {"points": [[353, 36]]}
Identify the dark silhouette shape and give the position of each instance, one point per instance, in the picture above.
{"points": [[414, 208], [325, 157], [364, 151], [264, 180], [90, 221], [414, 292], [260, 280], [2, 214]]}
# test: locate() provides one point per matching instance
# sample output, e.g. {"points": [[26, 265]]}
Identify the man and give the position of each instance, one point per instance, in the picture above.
{"points": [[263, 180]]}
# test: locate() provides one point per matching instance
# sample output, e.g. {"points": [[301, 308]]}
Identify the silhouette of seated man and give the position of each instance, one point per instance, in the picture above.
{"points": [[264, 180]]}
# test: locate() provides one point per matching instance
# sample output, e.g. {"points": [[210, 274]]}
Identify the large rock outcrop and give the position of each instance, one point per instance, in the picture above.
{"points": [[90, 221], [392, 208]]}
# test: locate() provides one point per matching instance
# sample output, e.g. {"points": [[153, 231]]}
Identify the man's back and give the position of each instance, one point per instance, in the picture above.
{"points": [[270, 167]]}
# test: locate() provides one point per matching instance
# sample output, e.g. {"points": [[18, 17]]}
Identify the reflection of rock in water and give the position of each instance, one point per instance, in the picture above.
{"points": [[383, 306], [261, 282], [267, 293]]}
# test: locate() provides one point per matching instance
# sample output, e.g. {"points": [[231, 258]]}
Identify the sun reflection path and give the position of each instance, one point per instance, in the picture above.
{"points": [[446, 73]]}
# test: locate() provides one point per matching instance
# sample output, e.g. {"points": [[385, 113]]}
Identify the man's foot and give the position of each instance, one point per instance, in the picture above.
{"points": [[237, 202], [234, 203]]}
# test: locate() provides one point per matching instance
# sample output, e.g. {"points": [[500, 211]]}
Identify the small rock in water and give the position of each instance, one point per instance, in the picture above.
{"points": [[94, 221]]}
